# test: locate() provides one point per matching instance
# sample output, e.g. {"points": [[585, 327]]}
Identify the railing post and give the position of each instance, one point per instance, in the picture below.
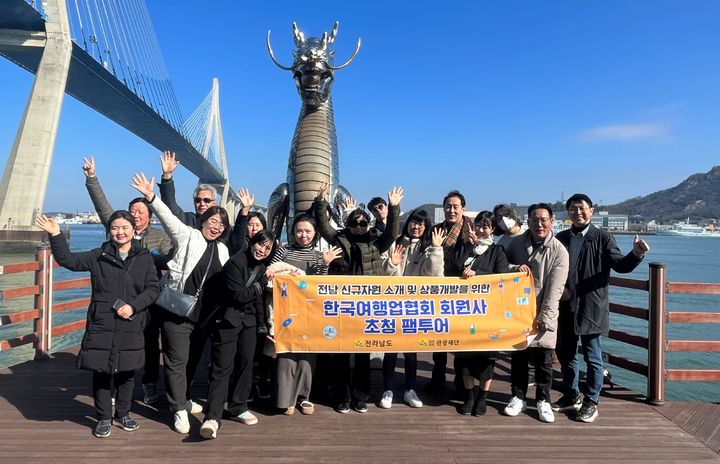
{"points": [[43, 301], [656, 334]]}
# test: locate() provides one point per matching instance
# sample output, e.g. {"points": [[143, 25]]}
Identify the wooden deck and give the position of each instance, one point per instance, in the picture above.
{"points": [[46, 415]]}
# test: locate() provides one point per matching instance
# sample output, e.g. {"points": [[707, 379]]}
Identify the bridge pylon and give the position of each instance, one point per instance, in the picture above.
{"points": [[24, 181]]}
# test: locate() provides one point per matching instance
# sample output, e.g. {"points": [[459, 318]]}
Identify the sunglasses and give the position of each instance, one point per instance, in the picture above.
{"points": [[203, 200], [361, 223]]}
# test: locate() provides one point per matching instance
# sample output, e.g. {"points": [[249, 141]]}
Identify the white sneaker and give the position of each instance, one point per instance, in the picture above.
{"points": [[193, 407], [181, 423], [545, 413], [412, 399], [209, 429], [386, 401], [515, 407]]}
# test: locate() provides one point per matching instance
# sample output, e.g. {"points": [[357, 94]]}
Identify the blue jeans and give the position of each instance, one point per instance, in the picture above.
{"points": [[569, 366]]}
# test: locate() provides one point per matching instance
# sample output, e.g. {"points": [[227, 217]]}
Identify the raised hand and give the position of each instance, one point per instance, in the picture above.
{"points": [[467, 273], [397, 255], [438, 237], [640, 246], [47, 224], [395, 196], [323, 192], [143, 185], [88, 167], [331, 255], [246, 199], [472, 236], [168, 164], [350, 204]]}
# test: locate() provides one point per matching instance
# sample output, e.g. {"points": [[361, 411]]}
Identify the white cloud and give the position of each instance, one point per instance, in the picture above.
{"points": [[646, 131]]}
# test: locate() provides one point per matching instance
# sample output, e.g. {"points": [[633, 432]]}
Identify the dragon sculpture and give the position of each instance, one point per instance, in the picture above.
{"points": [[313, 152]]}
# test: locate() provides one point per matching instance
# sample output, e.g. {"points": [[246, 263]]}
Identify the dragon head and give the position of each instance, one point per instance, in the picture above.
{"points": [[313, 65]]}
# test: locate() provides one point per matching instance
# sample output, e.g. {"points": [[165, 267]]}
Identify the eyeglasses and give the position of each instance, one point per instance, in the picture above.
{"points": [[215, 223], [378, 207], [204, 200], [544, 220], [361, 223], [578, 209]]}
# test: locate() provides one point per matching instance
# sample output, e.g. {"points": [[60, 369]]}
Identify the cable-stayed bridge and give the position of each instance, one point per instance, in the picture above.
{"points": [[105, 54]]}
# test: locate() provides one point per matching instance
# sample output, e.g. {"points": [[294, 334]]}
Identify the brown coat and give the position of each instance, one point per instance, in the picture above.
{"points": [[549, 264]]}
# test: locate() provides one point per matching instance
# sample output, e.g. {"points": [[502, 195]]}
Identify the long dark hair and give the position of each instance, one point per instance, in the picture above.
{"points": [[212, 211], [417, 215]]}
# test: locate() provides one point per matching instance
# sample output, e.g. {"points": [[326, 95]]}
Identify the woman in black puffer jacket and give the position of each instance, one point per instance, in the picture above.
{"points": [[124, 283], [234, 334]]}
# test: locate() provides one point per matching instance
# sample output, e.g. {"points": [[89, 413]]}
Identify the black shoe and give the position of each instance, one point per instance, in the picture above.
{"points": [[102, 428], [567, 403], [466, 408], [480, 409], [360, 407], [127, 423], [588, 411], [343, 408], [263, 390]]}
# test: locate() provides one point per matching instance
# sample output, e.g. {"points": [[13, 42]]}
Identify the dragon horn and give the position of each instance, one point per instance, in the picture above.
{"points": [[299, 36], [333, 34]]}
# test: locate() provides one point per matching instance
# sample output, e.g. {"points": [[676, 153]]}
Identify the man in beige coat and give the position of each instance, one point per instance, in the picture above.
{"points": [[539, 253]]}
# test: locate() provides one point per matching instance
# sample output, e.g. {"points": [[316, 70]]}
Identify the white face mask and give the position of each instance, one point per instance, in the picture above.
{"points": [[507, 224]]}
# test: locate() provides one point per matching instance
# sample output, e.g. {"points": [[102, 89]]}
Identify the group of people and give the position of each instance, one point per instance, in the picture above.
{"points": [[229, 272]]}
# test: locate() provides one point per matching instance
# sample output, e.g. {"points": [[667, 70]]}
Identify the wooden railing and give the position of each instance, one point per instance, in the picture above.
{"points": [[41, 314], [656, 342]]}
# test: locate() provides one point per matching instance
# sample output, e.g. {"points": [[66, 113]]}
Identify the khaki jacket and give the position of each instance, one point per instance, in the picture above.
{"points": [[549, 264]]}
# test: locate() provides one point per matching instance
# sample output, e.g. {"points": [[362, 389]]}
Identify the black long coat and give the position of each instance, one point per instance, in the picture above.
{"points": [[112, 344], [588, 311]]}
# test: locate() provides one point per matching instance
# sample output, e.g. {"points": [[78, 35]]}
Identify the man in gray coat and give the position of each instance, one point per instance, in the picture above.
{"points": [[538, 253]]}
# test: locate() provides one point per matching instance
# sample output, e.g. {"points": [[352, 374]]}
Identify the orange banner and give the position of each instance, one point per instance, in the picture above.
{"points": [[349, 314]]}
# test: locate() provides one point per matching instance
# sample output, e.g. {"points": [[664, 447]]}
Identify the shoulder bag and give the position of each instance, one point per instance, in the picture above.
{"points": [[174, 300]]}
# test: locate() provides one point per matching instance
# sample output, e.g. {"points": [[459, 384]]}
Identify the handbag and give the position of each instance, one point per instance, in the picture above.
{"points": [[175, 301]]}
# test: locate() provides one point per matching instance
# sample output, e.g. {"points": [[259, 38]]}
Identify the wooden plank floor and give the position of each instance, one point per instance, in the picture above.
{"points": [[702, 420], [46, 415]]}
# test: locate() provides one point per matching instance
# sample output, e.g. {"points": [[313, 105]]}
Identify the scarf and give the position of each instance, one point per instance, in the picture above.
{"points": [[455, 232], [481, 247]]}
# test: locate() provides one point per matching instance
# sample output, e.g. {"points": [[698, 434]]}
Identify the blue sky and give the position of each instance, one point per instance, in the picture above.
{"points": [[508, 101]]}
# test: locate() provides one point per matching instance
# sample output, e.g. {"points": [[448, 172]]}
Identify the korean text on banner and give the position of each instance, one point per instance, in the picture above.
{"points": [[349, 314]]}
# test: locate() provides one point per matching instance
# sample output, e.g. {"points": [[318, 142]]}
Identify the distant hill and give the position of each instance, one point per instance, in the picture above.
{"points": [[697, 197]]}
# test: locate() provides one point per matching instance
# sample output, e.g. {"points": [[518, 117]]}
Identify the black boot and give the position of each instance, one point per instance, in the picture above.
{"points": [[480, 396], [466, 408]]}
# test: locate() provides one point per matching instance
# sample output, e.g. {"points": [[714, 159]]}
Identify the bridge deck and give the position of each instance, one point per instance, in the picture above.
{"points": [[46, 414]]}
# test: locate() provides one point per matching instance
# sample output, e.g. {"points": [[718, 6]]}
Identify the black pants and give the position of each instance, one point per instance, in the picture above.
{"points": [[232, 353], [440, 359], [542, 360], [351, 384], [389, 362], [183, 345], [103, 385], [151, 372]]}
